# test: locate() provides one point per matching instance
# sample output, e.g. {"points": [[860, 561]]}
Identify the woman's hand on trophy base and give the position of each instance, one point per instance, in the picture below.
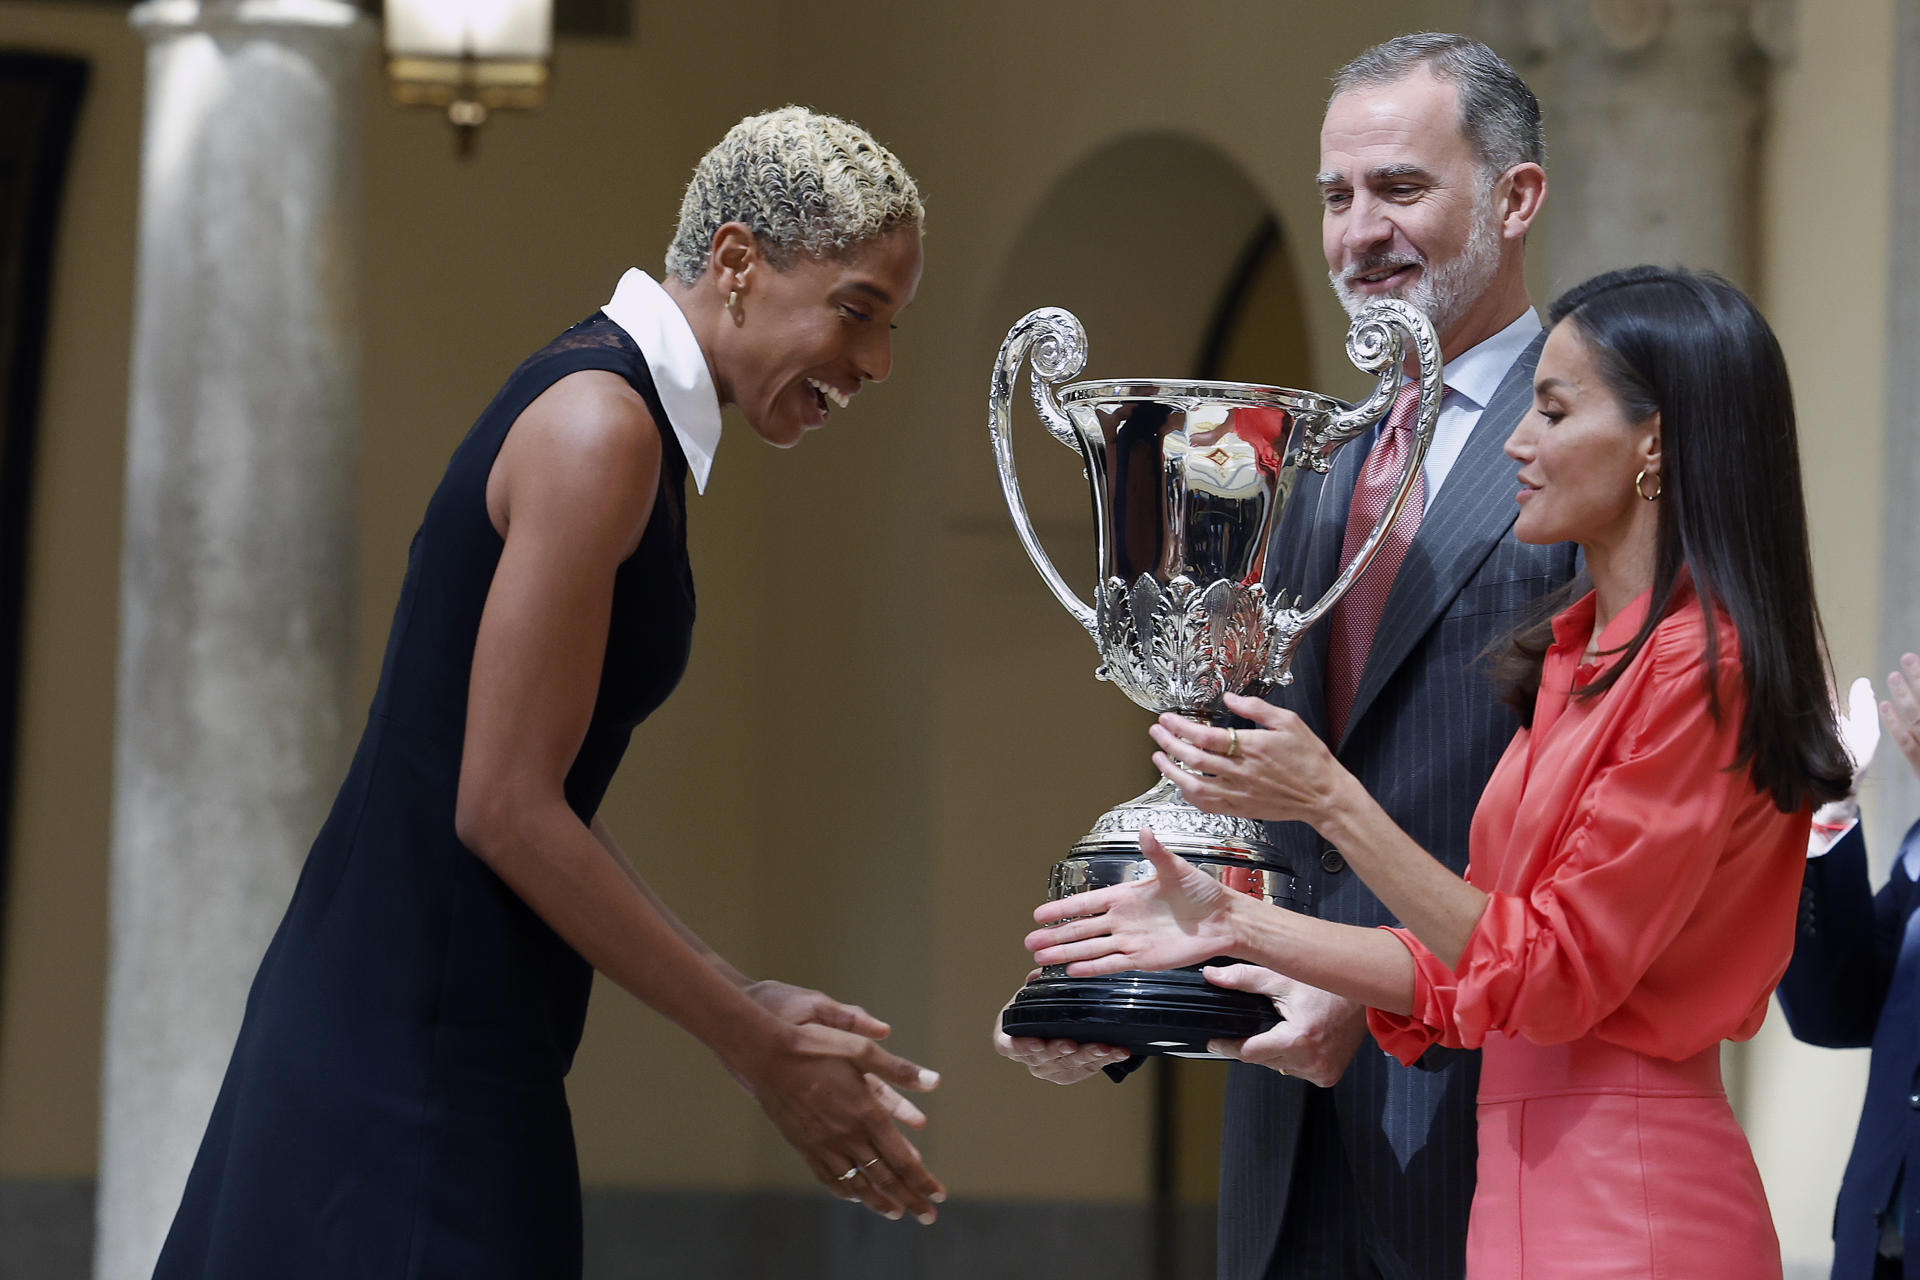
{"points": [[1316, 1037], [830, 1093], [1278, 772], [1177, 916]]}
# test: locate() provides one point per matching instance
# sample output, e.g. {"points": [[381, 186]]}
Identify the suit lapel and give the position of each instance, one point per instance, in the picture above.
{"points": [[1475, 510]]}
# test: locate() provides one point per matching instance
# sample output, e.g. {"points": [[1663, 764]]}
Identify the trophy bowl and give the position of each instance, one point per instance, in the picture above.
{"points": [[1189, 480]]}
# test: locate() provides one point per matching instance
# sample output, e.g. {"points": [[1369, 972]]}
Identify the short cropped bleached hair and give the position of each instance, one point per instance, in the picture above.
{"points": [[807, 184]]}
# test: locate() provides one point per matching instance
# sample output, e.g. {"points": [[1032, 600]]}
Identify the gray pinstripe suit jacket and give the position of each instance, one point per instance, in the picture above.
{"points": [[1424, 735]]}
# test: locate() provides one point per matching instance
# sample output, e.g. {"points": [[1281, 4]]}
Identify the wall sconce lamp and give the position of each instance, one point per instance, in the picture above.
{"points": [[469, 57]]}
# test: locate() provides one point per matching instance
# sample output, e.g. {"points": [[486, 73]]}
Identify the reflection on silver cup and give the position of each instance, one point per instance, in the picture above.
{"points": [[1189, 481]]}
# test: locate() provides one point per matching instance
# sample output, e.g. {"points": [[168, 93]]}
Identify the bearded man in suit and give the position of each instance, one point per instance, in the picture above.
{"points": [[1335, 1160]]}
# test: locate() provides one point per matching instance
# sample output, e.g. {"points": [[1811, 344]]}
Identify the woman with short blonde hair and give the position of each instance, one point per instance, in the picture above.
{"points": [[396, 1102]]}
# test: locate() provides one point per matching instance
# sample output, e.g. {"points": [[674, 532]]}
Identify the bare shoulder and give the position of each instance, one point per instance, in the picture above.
{"points": [[586, 450]]}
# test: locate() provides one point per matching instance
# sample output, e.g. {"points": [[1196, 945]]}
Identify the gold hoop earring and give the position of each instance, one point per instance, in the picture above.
{"points": [[1640, 485]]}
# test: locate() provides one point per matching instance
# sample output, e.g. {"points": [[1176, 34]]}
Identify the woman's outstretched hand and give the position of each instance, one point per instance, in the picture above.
{"points": [[832, 1094], [1278, 772], [1178, 916]]}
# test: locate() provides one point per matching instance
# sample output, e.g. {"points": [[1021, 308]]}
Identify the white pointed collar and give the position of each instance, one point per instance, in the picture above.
{"points": [[679, 367]]}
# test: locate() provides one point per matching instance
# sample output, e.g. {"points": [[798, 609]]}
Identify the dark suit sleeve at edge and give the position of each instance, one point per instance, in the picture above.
{"points": [[1845, 941]]}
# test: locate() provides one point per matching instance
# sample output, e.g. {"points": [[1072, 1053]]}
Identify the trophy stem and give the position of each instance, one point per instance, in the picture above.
{"points": [[1182, 828]]}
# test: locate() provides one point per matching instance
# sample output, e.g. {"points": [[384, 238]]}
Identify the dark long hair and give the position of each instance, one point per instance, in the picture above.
{"points": [[1732, 518]]}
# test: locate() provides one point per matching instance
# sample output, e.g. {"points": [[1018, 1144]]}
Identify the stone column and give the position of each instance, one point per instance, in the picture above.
{"points": [[238, 559], [1653, 112]]}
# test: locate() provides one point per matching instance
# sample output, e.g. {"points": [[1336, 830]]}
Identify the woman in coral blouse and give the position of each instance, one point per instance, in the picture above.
{"points": [[1636, 857]]}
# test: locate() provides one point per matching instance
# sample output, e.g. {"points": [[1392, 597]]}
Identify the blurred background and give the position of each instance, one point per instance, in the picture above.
{"points": [[889, 730]]}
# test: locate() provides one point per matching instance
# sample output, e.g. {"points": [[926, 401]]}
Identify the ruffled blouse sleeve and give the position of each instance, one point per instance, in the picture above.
{"points": [[1613, 884]]}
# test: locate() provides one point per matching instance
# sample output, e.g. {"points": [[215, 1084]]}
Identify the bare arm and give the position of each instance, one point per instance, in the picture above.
{"points": [[1438, 906], [687, 935], [572, 490], [573, 485], [1369, 966]]}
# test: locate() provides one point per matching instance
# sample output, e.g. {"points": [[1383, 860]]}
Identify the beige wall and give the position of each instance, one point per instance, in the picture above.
{"points": [[1822, 282], [888, 729]]}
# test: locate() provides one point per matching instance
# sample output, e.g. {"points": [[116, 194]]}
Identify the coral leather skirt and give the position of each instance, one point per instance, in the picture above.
{"points": [[1599, 1162]]}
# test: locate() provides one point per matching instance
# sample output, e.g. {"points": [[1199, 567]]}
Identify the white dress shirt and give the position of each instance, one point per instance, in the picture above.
{"points": [[1471, 379]]}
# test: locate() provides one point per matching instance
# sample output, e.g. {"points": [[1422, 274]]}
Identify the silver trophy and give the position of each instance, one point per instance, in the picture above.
{"points": [[1189, 480]]}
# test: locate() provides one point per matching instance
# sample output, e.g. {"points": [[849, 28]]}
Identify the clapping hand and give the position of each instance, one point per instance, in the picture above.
{"points": [[803, 1004], [1900, 713], [834, 1094], [1859, 726]]}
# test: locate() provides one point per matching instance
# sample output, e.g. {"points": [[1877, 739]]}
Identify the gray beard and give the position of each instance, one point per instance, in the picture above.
{"points": [[1446, 292]]}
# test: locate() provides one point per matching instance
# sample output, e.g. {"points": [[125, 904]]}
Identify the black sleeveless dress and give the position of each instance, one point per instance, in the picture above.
{"points": [[395, 1106]]}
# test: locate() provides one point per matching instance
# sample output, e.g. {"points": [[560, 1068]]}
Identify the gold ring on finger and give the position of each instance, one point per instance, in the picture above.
{"points": [[1233, 742]]}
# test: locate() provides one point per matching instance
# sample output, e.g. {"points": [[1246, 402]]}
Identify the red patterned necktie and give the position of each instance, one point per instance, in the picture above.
{"points": [[1357, 615]]}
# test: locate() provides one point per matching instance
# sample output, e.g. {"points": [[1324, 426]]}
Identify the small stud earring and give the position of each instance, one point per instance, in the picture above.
{"points": [[733, 298]]}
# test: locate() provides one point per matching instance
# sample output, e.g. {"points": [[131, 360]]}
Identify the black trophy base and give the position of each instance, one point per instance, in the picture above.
{"points": [[1170, 1011]]}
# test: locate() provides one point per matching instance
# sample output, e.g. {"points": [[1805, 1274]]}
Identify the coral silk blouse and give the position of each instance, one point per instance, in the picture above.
{"points": [[1639, 890]]}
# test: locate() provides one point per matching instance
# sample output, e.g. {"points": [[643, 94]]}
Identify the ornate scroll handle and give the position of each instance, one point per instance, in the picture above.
{"points": [[1057, 347], [1375, 344]]}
